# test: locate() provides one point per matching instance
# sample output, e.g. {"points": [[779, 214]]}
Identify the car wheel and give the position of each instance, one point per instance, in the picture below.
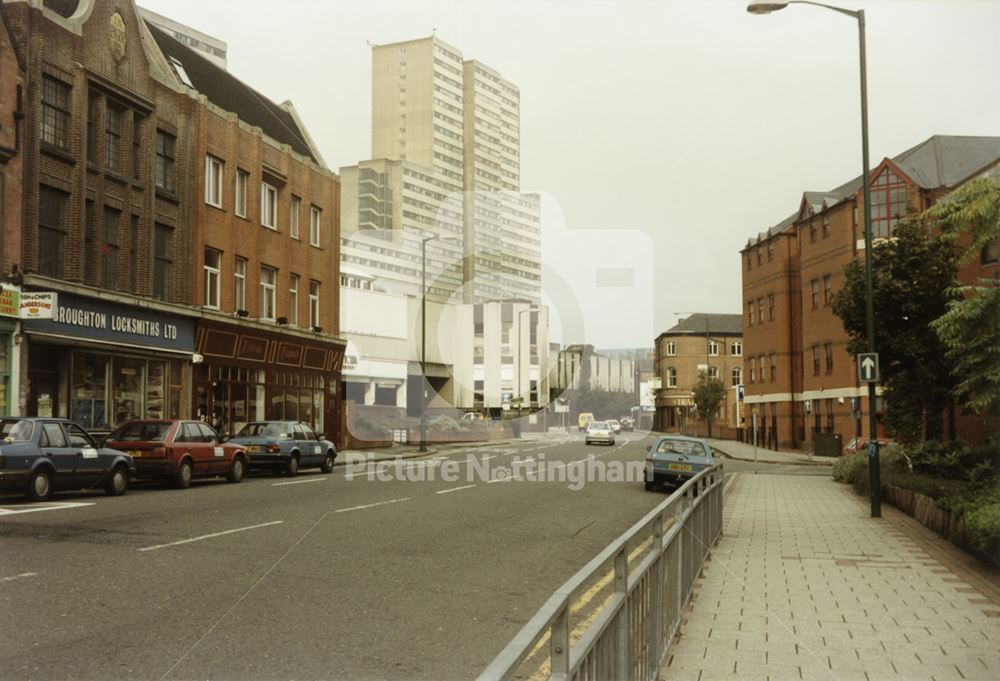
{"points": [[328, 464], [650, 486], [117, 484], [236, 471], [182, 478], [40, 485], [292, 467]]}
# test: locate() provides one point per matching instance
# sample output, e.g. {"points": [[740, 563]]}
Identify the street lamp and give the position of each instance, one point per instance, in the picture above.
{"points": [[764, 7], [423, 333]]}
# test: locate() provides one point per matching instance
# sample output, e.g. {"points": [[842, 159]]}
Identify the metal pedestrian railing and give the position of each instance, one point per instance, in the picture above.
{"points": [[655, 566]]}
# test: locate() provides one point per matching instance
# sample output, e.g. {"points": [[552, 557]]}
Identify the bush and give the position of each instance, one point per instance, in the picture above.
{"points": [[443, 424], [956, 460]]}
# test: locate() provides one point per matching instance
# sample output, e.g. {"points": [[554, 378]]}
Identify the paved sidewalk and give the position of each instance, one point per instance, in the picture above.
{"points": [[804, 585], [745, 452]]}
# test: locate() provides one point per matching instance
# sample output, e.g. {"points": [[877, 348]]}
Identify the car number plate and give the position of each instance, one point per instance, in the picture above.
{"points": [[253, 448], [679, 467], [135, 453]]}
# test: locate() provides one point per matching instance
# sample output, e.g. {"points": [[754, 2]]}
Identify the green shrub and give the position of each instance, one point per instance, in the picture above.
{"points": [[956, 460], [443, 424], [847, 468]]}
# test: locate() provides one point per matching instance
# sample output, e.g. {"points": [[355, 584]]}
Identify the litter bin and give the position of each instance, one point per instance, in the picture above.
{"points": [[827, 444]]}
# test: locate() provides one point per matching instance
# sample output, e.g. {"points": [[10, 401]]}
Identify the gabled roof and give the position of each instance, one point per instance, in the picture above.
{"points": [[939, 162], [701, 323], [229, 93]]}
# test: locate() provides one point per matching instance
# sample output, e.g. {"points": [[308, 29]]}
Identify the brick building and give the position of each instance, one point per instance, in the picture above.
{"points": [[799, 374], [116, 163], [696, 344]]}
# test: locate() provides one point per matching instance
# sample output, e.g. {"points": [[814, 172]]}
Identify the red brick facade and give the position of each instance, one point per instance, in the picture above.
{"points": [[12, 81]]}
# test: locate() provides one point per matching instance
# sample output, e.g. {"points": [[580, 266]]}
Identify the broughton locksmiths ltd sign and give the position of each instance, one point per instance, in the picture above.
{"points": [[113, 322]]}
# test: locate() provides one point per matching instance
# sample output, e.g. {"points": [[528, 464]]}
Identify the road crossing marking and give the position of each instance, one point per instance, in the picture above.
{"points": [[211, 536]]}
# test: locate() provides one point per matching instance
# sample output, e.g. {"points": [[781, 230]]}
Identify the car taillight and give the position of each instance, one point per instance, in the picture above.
{"points": [[273, 449], [159, 451]]}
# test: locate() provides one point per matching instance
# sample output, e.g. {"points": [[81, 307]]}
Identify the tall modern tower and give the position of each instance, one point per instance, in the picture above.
{"points": [[445, 161]]}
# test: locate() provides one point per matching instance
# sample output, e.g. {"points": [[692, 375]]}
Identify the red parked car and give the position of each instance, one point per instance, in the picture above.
{"points": [[178, 451]]}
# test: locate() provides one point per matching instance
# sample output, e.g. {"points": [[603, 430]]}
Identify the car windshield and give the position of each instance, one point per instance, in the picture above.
{"points": [[684, 447], [141, 431], [598, 425], [262, 429], [17, 430]]}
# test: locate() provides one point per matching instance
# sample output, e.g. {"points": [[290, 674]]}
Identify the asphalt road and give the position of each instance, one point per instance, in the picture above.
{"points": [[327, 577]]}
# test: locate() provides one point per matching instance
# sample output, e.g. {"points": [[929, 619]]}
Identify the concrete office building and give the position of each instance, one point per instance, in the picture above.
{"points": [[207, 46]]}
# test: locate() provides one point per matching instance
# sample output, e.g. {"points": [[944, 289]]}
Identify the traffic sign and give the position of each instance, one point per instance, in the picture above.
{"points": [[872, 449], [868, 367]]}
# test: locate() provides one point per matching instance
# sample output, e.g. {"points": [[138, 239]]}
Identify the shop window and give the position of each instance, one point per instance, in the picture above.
{"points": [[88, 392], [51, 231], [127, 389]]}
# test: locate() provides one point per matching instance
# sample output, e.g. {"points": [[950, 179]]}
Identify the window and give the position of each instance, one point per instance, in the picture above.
{"points": [[293, 217], [713, 348], [55, 112], [815, 360], [110, 248], [760, 256], [827, 289], [133, 251], [774, 366], [736, 349], [814, 285], [760, 362], [268, 206], [713, 373], [826, 225], [213, 270], [760, 309], [671, 348], [671, 377], [829, 357], [888, 203], [749, 260], [240, 284], [51, 231], [242, 180], [113, 138], [137, 123], [293, 294], [753, 369], [268, 277], [314, 304], [829, 415], [990, 252], [163, 235], [314, 225], [92, 101], [737, 375], [770, 307], [165, 144], [750, 312], [770, 251], [812, 231], [213, 181]]}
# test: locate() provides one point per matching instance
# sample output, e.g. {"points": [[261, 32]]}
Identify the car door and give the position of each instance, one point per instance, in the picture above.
{"points": [[54, 446], [91, 465], [219, 464], [312, 444], [200, 451]]}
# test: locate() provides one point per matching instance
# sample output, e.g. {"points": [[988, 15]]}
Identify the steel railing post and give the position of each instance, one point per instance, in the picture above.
{"points": [[621, 588]]}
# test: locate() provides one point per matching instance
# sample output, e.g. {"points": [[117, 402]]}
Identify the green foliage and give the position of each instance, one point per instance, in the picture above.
{"points": [[442, 424], [982, 519], [708, 394], [972, 209], [914, 279]]}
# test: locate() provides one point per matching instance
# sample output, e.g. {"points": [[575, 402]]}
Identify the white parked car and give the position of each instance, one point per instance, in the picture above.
{"points": [[600, 431], [615, 425]]}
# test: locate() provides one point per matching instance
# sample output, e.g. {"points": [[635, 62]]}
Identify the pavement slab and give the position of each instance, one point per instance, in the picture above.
{"points": [[803, 584]]}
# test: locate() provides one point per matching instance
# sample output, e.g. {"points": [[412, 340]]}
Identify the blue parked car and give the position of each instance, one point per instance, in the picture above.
{"points": [[674, 459], [285, 446], [41, 455]]}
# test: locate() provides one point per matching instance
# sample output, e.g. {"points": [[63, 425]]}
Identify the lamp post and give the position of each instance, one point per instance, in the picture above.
{"points": [[765, 7], [423, 334]]}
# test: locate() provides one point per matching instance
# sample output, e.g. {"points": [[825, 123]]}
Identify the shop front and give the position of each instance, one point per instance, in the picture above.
{"points": [[9, 311], [248, 373], [101, 363]]}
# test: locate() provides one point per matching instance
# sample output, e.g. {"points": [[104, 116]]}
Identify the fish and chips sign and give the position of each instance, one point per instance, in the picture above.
{"points": [[38, 305]]}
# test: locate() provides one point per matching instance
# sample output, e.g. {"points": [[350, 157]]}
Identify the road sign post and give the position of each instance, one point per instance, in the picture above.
{"points": [[868, 367], [868, 373]]}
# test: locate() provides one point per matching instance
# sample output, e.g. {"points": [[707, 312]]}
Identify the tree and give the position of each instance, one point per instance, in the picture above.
{"points": [[914, 278], [970, 329], [708, 394]]}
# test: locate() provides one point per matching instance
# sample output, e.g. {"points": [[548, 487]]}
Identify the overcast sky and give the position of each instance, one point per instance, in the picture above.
{"points": [[662, 134]]}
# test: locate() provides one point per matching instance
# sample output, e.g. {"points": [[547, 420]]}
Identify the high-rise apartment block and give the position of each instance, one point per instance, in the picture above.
{"points": [[445, 163]]}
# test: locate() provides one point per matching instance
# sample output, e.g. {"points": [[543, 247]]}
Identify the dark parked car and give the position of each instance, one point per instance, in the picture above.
{"points": [[285, 446], [674, 459], [178, 451], [41, 455]]}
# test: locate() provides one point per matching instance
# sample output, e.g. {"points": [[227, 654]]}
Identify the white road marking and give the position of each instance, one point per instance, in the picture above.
{"points": [[52, 506], [454, 489], [505, 479], [211, 536], [380, 503], [298, 482], [23, 575]]}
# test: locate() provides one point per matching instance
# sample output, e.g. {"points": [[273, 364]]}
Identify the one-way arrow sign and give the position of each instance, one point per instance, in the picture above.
{"points": [[868, 367]]}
